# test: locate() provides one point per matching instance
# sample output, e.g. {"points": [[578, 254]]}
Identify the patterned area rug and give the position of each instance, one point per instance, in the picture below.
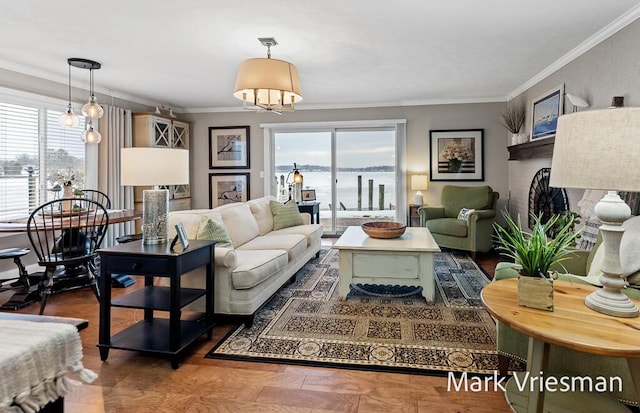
{"points": [[376, 327]]}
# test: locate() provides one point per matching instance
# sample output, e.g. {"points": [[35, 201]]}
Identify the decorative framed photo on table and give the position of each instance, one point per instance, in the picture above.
{"points": [[181, 236], [308, 195], [228, 147], [227, 188], [545, 111], [456, 155]]}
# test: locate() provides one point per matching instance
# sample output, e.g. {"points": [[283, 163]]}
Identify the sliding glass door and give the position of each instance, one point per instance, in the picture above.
{"points": [[365, 176], [352, 173]]}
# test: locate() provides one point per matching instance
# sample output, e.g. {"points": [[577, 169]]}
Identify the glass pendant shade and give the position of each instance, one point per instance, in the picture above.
{"points": [[69, 119], [91, 135], [92, 109]]}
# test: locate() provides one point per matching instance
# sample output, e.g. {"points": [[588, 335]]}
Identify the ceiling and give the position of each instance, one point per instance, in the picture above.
{"points": [[349, 53]]}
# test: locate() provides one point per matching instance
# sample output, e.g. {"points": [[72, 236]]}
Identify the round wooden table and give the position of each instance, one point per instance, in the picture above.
{"points": [[572, 325]]}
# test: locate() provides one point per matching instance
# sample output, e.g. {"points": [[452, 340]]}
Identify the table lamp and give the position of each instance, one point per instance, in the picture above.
{"points": [[154, 166], [419, 183], [599, 150]]}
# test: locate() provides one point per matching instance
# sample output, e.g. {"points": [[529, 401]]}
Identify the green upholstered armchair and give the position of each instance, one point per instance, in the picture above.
{"points": [[563, 361], [473, 234]]}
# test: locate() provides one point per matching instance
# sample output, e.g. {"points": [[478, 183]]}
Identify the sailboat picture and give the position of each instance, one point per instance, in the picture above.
{"points": [[546, 110]]}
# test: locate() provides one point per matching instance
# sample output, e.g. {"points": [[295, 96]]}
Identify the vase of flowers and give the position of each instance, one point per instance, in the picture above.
{"points": [[67, 192], [535, 253], [67, 178]]}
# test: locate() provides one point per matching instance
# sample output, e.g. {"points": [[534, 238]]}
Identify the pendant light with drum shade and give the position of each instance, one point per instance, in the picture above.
{"points": [[268, 84], [69, 119], [91, 109]]}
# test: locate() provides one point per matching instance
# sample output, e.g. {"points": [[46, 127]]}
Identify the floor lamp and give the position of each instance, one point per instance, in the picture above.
{"points": [[600, 149], [154, 166]]}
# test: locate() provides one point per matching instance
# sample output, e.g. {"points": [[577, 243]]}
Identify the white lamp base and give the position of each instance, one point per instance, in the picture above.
{"points": [[155, 206], [418, 199], [609, 299]]}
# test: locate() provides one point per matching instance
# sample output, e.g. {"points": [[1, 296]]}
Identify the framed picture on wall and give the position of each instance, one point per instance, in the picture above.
{"points": [[228, 188], [228, 147], [545, 111], [456, 155]]}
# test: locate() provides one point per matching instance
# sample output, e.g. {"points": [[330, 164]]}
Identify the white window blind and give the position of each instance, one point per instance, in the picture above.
{"points": [[33, 147], [64, 154], [18, 153]]}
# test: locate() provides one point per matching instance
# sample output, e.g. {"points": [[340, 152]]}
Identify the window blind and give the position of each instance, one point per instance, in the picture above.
{"points": [[33, 147]]}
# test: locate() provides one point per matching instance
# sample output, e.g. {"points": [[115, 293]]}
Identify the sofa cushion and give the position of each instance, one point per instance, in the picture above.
{"points": [[190, 221], [285, 215], [454, 198], [241, 225], [214, 231], [262, 213], [255, 266], [294, 244], [448, 226], [311, 232]]}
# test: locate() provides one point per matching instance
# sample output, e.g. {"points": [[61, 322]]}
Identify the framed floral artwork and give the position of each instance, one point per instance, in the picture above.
{"points": [[456, 155], [546, 110], [229, 147], [228, 188]]}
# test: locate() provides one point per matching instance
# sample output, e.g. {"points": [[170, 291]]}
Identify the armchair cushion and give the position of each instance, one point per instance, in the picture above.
{"points": [[448, 226], [454, 198]]}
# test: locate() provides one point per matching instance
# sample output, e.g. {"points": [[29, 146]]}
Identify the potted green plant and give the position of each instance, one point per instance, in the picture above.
{"points": [[534, 253], [512, 118]]}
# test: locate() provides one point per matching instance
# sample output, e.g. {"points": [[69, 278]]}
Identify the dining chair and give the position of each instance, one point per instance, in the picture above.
{"points": [[118, 280], [98, 196], [65, 242]]}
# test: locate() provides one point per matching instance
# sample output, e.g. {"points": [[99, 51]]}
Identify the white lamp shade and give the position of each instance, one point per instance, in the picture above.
{"points": [[154, 166], [419, 182], [271, 78], [597, 149]]}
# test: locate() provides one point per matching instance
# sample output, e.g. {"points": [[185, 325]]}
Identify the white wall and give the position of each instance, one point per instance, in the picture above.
{"points": [[612, 68], [420, 119]]}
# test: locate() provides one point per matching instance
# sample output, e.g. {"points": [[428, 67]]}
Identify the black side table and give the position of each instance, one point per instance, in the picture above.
{"points": [[156, 335], [312, 208]]}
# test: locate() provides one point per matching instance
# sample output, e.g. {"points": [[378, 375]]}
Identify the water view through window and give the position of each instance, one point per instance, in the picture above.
{"points": [[354, 183]]}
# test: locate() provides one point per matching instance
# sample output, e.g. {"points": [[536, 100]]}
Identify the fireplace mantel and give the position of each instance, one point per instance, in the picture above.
{"points": [[541, 148]]}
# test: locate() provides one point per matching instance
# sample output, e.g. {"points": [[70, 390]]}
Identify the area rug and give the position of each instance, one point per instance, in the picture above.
{"points": [[376, 327]]}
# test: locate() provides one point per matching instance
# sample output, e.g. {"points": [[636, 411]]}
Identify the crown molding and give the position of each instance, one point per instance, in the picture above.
{"points": [[405, 103], [41, 74], [609, 30]]}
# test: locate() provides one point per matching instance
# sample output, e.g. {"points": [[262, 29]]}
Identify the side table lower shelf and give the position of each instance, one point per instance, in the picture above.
{"points": [[152, 336]]}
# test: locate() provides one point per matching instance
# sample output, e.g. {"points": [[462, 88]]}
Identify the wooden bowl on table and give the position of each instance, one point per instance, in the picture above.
{"points": [[383, 229]]}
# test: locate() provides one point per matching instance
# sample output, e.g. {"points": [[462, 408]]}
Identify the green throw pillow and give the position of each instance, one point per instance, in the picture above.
{"points": [[285, 215], [214, 231]]}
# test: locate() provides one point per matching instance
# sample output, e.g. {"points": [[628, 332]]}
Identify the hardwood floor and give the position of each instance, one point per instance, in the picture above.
{"points": [[131, 382]]}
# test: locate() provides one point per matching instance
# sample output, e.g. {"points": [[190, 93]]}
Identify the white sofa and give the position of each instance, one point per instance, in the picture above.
{"points": [[260, 261]]}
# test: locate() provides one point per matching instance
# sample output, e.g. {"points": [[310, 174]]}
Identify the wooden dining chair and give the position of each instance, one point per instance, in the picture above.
{"points": [[98, 196], [65, 242]]}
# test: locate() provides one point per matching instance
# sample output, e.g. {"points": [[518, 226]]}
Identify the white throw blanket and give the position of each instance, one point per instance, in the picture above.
{"points": [[36, 360]]}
